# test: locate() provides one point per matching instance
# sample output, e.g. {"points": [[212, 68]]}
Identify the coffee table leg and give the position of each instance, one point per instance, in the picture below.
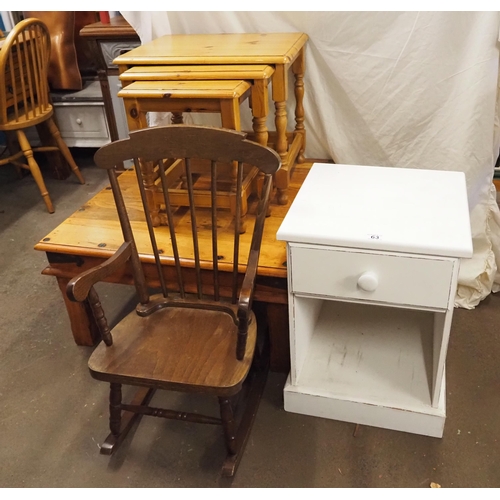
{"points": [[83, 326]]}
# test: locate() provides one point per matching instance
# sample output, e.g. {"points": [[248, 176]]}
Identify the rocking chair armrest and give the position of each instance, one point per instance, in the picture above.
{"points": [[79, 287], [247, 287], [246, 298]]}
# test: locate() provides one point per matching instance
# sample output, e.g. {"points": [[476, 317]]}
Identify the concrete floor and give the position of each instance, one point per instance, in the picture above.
{"points": [[53, 414]]}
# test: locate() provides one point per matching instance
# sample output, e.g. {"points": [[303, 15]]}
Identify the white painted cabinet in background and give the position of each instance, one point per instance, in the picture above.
{"points": [[373, 259], [81, 116]]}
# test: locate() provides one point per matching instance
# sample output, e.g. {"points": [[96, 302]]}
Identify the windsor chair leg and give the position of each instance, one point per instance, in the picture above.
{"points": [[34, 169], [54, 131], [58, 165], [13, 147]]}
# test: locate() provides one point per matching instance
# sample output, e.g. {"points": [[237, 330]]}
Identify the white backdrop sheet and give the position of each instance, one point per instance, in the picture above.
{"points": [[403, 89]]}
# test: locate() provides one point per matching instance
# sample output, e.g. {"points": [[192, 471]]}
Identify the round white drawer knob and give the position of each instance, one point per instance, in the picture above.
{"points": [[368, 281], [79, 121]]}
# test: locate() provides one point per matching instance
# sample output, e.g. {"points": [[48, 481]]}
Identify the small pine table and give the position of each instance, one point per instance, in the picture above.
{"points": [[281, 51]]}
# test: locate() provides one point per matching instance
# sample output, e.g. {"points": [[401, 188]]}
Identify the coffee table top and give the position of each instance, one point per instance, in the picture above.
{"points": [[381, 208], [94, 230], [223, 48]]}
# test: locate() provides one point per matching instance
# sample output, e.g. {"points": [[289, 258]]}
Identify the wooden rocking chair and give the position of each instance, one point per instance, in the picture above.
{"points": [[199, 340]]}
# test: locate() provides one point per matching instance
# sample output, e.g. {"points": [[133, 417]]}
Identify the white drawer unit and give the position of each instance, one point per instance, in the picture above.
{"points": [[82, 124], [407, 280], [81, 116], [373, 260]]}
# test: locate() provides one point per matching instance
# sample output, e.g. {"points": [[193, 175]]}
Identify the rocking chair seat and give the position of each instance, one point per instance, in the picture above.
{"points": [[176, 348]]}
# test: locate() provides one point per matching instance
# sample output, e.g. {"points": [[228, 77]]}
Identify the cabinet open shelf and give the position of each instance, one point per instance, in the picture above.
{"points": [[377, 368], [385, 357]]}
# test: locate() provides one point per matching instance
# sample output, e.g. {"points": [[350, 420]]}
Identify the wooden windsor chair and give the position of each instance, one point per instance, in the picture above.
{"points": [[25, 99], [196, 340]]}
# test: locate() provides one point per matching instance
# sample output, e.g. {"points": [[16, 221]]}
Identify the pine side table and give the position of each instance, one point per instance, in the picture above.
{"points": [[284, 52], [373, 255]]}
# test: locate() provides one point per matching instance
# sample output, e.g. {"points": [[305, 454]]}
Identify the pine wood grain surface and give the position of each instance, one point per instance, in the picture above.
{"points": [[116, 28], [214, 89], [94, 230], [198, 72], [225, 48]]}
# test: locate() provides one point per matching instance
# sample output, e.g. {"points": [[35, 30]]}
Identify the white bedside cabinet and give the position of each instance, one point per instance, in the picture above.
{"points": [[373, 255]]}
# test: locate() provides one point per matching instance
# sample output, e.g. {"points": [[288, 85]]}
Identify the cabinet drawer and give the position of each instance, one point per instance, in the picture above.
{"points": [[82, 125], [394, 279]]}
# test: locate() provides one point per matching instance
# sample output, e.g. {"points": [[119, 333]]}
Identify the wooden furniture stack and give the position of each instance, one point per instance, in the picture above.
{"points": [[205, 62], [373, 257], [210, 76], [178, 97], [200, 88]]}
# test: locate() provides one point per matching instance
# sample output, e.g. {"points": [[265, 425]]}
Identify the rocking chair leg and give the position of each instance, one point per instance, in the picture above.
{"points": [[228, 426], [115, 412], [258, 377], [120, 423]]}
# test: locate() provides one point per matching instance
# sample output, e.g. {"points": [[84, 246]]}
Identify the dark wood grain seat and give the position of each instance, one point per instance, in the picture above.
{"points": [[159, 350], [195, 339]]}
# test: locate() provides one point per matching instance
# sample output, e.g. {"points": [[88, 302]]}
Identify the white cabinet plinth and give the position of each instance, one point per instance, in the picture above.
{"points": [[373, 260]]}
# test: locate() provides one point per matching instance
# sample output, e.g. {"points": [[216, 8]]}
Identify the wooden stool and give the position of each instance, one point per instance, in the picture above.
{"points": [[178, 97]]}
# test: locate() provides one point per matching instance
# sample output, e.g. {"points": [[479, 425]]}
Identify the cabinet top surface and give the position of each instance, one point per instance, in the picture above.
{"points": [[381, 208], [117, 28], [217, 48]]}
